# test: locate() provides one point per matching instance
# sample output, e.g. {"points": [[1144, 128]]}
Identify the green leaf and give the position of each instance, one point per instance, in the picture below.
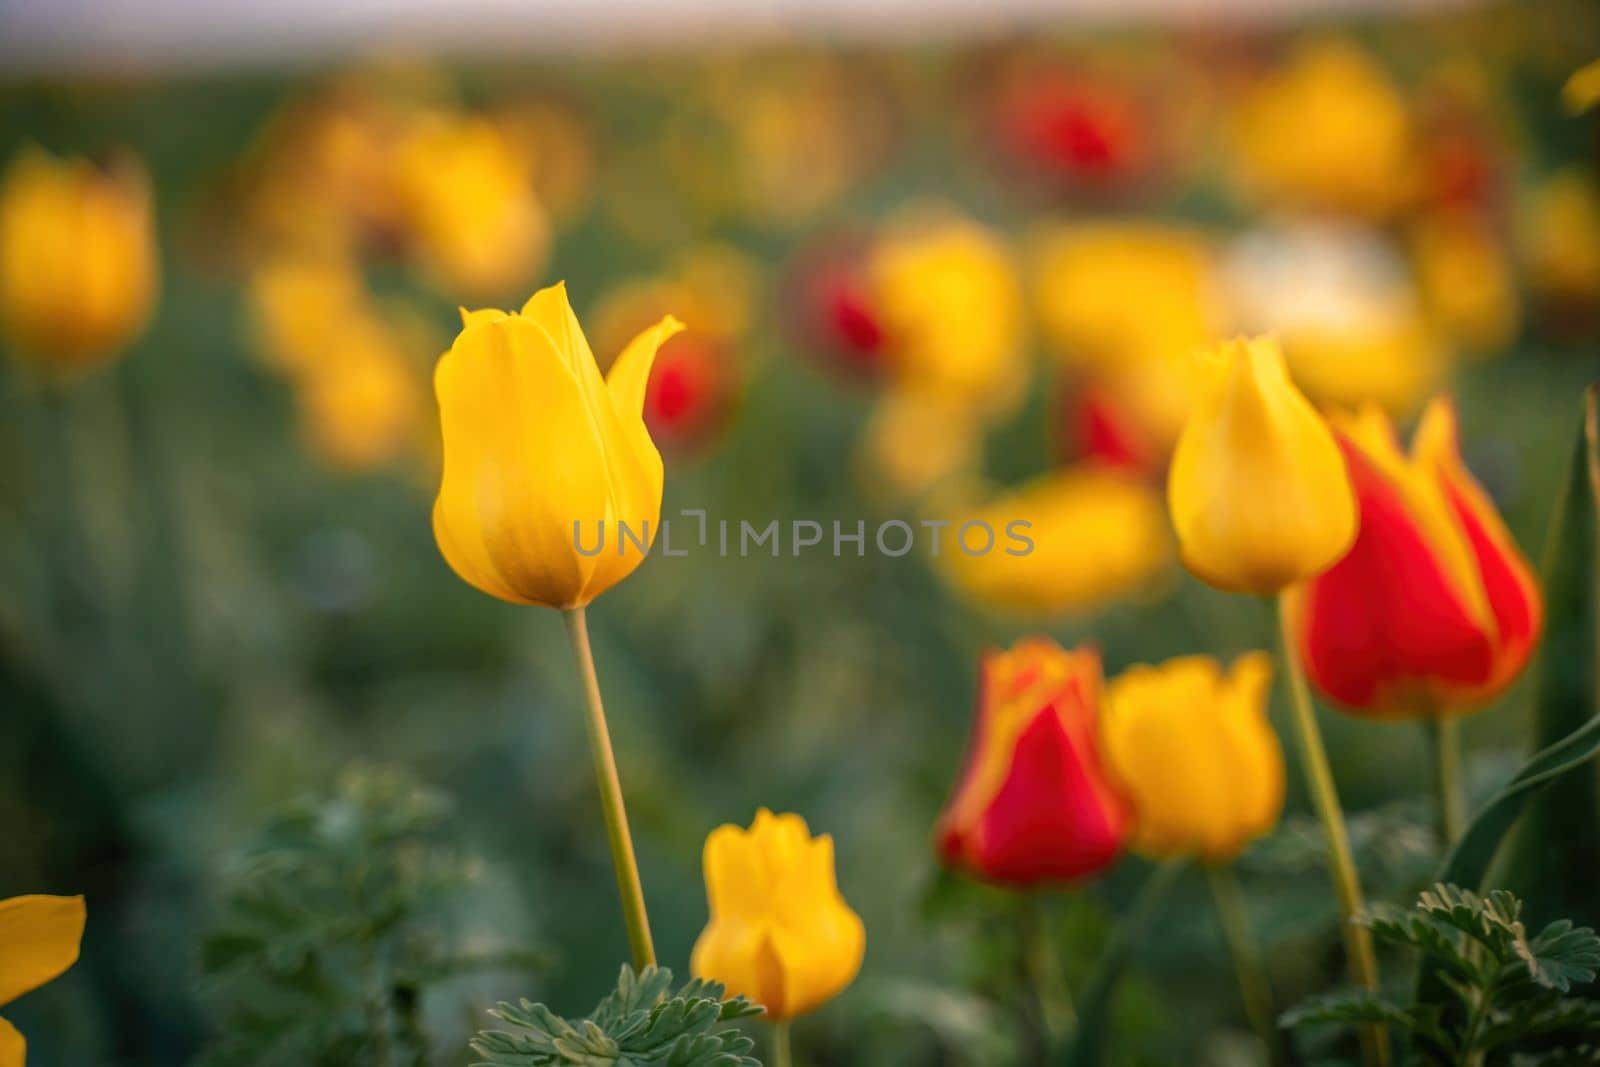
{"points": [[640, 1023], [1555, 848], [1094, 1014], [1562, 955]]}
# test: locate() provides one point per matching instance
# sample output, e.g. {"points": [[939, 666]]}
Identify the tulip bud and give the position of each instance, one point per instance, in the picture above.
{"points": [[780, 933], [1434, 609], [78, 267], [1258, 490], [539, 448], [1194, 751], [1034, 803]]}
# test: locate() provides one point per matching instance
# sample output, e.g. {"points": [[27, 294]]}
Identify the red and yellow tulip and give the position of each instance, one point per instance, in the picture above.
{"points": [[1034, 804], [1434, 610]]}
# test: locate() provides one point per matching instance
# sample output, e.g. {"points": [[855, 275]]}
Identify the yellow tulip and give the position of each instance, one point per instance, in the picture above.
{"points": [[362, 407], [1114, 295], [1562, 237], [538, 447], [466, 197], [39, 938], [78, 267], [915, 443], [1069, 542], [298, 302], [952, 310], [1467, 284], [1329, 131], [1582, 90], [1342, 302], [780, 932], [1194, 752], [1258, 490]]}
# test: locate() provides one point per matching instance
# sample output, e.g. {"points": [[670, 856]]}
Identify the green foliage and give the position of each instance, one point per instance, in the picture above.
{"points": [[333, 927], [641, 1023], [1555, 849], [1509, 990]]}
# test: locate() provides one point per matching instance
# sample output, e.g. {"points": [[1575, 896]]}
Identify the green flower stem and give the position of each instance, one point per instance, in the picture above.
{"points": [[1363, 960], [1444, 737], [1254, 989], [1033, 952], [616, 816], [782, 1056]]}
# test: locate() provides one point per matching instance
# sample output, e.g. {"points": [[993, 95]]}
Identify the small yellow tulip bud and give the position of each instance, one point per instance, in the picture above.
{"points": [[539, 448], [1194, 752], [780, 933], [78, 268], [1258, 490]]}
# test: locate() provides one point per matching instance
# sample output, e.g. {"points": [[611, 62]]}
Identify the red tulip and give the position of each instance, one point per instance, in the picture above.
{"points": [[1035, 803], [690, 391], [1434, 610]]}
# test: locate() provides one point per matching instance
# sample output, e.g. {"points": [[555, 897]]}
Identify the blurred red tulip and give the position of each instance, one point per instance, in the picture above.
{"points": [[1034, 803], [1072, 127], [690, 391]]}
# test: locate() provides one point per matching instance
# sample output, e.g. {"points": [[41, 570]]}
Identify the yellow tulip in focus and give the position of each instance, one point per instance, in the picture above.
{"points": [[539, 450], [1258, 490], [1194, 752], [1329, 131], [466, 196], [780, 932], [952, 312], [78, 265], [1070, 542], [39, 939]]}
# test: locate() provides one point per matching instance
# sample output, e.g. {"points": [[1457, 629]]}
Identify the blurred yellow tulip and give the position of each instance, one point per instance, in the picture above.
{"points": [[1467, 284], [1562, 238], [1258, 490], [297, 304], [1071, 541], [539, 448], [467, 200], [1329, 131], [1582, 90], [1341, 300], [78, 261], [1114, 294], [1194, 752], [363, 406], [39, 938], [780, 932], [915, 443], [952, 312]]}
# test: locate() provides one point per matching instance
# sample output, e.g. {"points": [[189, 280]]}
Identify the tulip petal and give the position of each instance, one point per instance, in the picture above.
{"points": [[13, 1049], [522, 465], [1508, 579], [630, 374], [1390, 616], [39, 938], [632, 464]]}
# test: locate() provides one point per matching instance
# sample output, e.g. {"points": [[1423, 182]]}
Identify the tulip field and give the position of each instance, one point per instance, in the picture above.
{"points": [[1065, 547]]}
